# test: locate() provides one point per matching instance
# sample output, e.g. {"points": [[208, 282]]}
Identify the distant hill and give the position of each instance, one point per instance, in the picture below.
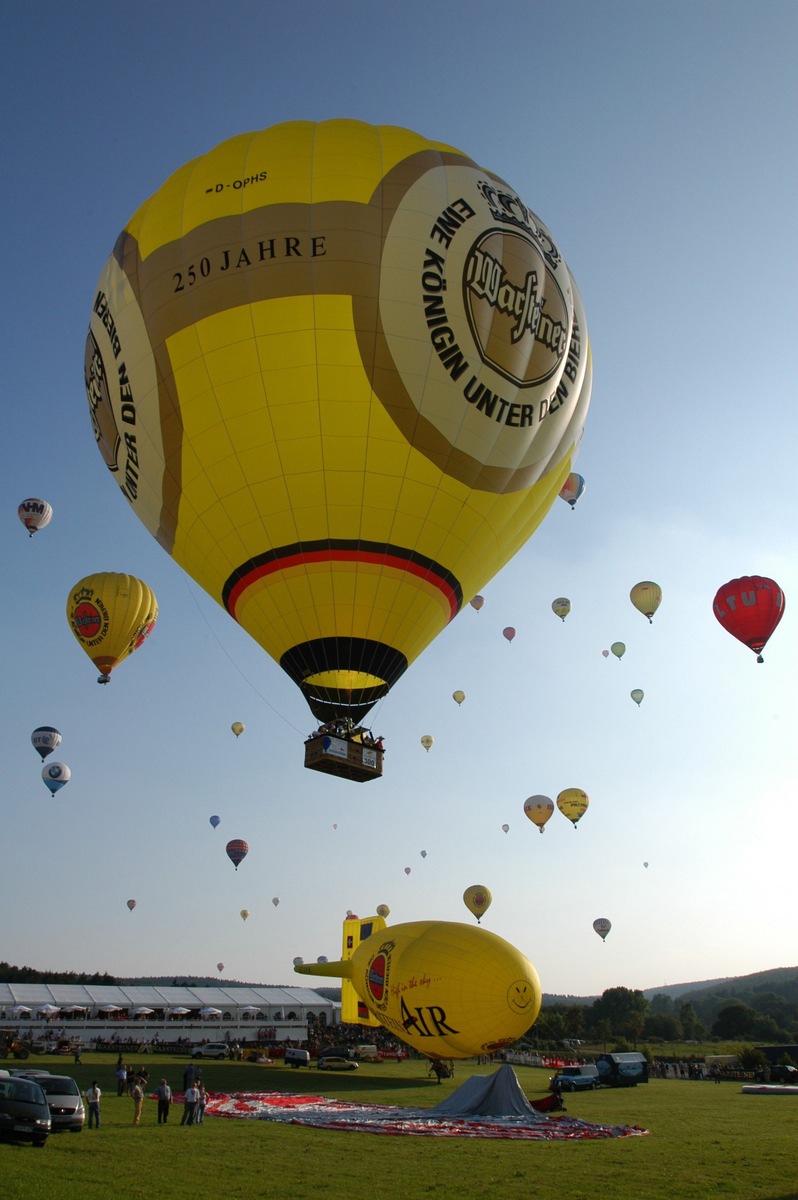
{"points": [[781, 980]]}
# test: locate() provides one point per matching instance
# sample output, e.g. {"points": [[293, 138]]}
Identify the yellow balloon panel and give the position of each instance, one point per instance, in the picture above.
{"points": [[340, 372]]}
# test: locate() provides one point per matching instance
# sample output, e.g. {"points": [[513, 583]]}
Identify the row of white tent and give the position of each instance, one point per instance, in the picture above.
{"points": [[53, 1010]]}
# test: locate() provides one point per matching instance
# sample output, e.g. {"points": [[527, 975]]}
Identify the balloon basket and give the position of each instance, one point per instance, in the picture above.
{"points": [[348, 757]]}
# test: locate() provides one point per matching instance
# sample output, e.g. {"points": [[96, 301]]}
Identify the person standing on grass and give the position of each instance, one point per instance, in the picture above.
{"points": [[137, 1092], [164, 1094], [202, 1099], [93, 1098], [121, 1077], [190, 1104]]}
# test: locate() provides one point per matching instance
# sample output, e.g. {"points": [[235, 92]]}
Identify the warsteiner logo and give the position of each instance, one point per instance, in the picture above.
{"points": [[86, 620], [99, 397], [517, 313], [377, 973]]}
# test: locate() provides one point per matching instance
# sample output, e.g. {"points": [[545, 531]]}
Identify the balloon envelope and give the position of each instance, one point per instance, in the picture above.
{"points": [[602, 927], [383, 910], [561, 607], [244, 914], [110, 616], [618, 649], [238, 728], [407, 870], [34, 514], [572, 489], [508, 633], [423, 854], [45, 739], [506, 828], [56, 776], [370, 298], [237, 850], [483, 993], [605, 653], [646, 597], [538, 809], [426, 741], [131, 904], [477, 602], [220, 966], [458, 697], [477, 900], [749, 609], [214, 821], [275, 900], [637, 695], [573, 803]]}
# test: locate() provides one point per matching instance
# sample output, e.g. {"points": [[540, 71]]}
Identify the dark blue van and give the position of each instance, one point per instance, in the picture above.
{"points": [[622, 1069]]}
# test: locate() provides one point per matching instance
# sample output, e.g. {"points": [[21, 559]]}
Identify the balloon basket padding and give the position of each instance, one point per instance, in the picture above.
{"points": [[346, 758]]}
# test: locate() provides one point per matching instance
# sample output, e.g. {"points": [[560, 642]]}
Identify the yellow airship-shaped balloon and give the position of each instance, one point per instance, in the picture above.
{"points": [[646, 598], [477, 900], [110, 616], [340, 372], [573, 803], [479, 993], [539, 809]]}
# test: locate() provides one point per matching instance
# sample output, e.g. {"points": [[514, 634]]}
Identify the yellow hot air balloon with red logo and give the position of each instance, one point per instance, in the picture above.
{"points": [[110, 616], [340, 372], [573, 804]]}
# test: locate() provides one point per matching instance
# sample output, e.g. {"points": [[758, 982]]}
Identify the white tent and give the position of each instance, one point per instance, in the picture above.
{"points": [[210, 1012], [19, 1009]]}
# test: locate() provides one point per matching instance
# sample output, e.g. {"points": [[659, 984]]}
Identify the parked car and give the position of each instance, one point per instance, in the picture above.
{"points": [[296, 1058], [211, 1050], [782, 1073], [332, 1062], [64, 1100], [575, 1079], [24, 1115], [336, 1052]]}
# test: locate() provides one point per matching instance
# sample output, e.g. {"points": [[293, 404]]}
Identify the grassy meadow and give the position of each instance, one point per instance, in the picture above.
{"points": [[706, 1140]]}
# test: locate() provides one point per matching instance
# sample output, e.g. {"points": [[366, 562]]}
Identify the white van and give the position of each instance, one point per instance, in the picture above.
{"points": [[367, 1053], [296, 1058]]}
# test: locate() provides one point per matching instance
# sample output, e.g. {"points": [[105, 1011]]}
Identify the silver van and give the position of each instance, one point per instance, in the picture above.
{"points": [[297, 1058], [63, 1100]]}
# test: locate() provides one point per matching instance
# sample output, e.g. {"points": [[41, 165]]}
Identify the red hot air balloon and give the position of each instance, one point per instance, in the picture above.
{"points": [[508, 633], [749, 609], [237, 851]]}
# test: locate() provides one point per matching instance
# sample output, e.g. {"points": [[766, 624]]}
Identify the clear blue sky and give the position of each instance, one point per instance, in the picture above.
{"points": [[657, 141]]}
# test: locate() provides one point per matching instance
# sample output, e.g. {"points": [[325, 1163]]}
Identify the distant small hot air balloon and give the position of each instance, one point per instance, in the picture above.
{"points": [[335, 826], [477, 602], [238, 728], [34, 514], [220, 967], [244, 914], [423, 854], [275, 901], [214, 821], [237, 851], [298, 962], [383, 910], [605, 653], [538, 809], [110, 616], [508, 633], [637, 695], [645, 864], [572, 489], [618, 649], [749, 609], [322, 958], [56, 776], [458, 697], [506, 828], [426, 741], [45, 739], [602, 927], [646, 597], [573, 803], [561, 607], [131, 904], [477, 900], [407, 870]]}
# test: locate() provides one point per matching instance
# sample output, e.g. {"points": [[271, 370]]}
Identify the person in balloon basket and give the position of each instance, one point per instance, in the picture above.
{"points": [[190, 1104], [93, 1099], [164, 1094]]}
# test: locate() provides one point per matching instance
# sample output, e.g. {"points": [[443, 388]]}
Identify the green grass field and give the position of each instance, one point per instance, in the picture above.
{"points": [[705, 1140]]}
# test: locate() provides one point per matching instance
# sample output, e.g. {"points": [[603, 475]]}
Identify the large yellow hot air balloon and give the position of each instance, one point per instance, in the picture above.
{"points": [[573, 803], [446, 989], [646, 597], [110, 615], [339, 372]]}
